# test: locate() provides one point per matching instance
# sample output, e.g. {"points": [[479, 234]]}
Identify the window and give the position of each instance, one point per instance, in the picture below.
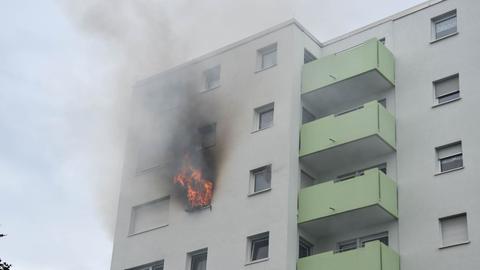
{"points": [[264, 117], [198, 259], [212, 78], [151, 266], [450, 157], [304, 248], [267, 57], [199, 262], [447, 89], [208, 135], [360, 242], [454, 230], [444, 25], [260, 179], [308, 56], [149, 215], [258, 246]]}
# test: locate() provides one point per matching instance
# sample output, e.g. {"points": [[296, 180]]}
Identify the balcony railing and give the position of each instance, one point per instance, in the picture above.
{"points": [[372, 189], [347, 76], [366, 132], [374, 256]]}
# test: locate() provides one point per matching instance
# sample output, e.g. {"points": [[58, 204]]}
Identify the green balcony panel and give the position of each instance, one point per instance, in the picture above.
{"points": [[337, 140], [349, 75], [374, 256], [328, 199]]}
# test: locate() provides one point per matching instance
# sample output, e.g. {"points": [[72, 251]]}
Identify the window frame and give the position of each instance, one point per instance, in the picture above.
{"points": [[208, 130], [360, 242], [436, 98], [309, 246], [261, 53], [442, 18], [191, 256], [251, 242], [257, 116], [267, 169], [439, 159], [206, 76], [450, 217]]}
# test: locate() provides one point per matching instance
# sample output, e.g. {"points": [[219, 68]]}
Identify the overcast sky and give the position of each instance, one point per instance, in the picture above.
{"points": [[63, 94]]}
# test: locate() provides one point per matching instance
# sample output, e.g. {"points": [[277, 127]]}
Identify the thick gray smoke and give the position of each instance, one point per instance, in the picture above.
{"points": [[136, 39]]}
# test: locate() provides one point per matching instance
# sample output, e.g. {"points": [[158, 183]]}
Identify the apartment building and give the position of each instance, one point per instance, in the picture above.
{"points": [[283, 152]]}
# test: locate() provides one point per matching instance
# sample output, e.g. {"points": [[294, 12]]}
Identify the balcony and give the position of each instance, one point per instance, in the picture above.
{"points": [[345, 77], [337, 207], [338, 140], [374, 256]]}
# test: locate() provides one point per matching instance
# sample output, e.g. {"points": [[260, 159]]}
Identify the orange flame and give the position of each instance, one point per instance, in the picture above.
{"points": [[199, 190]]}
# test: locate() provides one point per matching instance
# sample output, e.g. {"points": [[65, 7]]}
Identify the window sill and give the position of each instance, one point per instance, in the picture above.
{"points": [[446, 102], [260, 70], [452, 170], [442, 38], [259, 192], [454, 245], [258, 130], [210, 89], [147, 230], [257, 261]]}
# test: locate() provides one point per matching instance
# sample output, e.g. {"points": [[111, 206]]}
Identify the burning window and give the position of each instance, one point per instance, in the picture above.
{"points": [[260, 179], [198, 260], [212, 78], [264, 116], [192, 180], [258, 246]]}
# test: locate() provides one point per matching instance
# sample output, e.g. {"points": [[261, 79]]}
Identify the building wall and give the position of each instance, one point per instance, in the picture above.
{"points": [[234, 215], [423, 196]]}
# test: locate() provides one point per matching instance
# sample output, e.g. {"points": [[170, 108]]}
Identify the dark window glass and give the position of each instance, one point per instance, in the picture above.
{"points": [[449, 97], [383, 239], [348, 245], [304, 249], [199, 262], [452, 162], [265, 119], [262, 179], [260, 248]]}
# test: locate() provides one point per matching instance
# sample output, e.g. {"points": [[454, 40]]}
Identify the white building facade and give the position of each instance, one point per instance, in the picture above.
{"points": [[356, 153]]}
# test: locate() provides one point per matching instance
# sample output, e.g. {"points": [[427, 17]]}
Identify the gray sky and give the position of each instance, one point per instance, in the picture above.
{"points": [[63, 98]]}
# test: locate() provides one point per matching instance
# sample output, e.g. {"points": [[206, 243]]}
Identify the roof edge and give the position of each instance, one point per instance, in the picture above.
{"points": [[393, 17], [231, 46]]}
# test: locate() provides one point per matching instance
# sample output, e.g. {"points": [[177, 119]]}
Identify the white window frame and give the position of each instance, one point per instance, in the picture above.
{"points": [[251, 240], [272, 48], [441, 18], [216, 71], [439, 159], [436, 100], [440, 220], [132, 226], [257, 116], [267, 169]]}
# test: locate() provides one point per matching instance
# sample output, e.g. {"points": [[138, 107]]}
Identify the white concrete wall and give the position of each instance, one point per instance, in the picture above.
{"points": [[234, 215]]}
